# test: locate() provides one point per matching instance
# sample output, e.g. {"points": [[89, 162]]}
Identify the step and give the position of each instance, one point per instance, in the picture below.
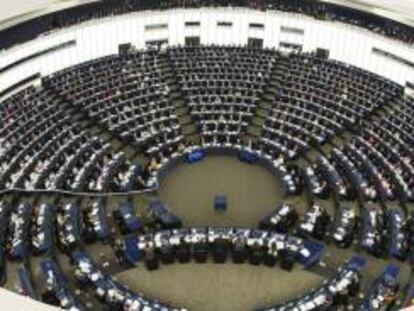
{"points": [[182, 110], [266, 105], [254, 130], [258, 122], [313, 154], [189, 129], [262, 113], [250, 137], [185, 120]]}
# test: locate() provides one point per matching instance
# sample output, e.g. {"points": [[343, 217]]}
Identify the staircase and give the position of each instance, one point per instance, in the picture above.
{"points": [[265, 103], [188, 127], [346, 136], [96, 129]]}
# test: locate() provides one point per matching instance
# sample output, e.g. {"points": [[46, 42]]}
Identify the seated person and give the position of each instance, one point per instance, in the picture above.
{"points": [[314, 222]]}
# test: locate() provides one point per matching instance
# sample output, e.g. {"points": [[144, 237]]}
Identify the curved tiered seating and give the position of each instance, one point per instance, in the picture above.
{"points": [[52, 284], [107, 290], [337, 131], [129, 95], [76, 225], [222, 86], [43, 147], [377, 162], [335, 292], [317, 99], [256, 246]]}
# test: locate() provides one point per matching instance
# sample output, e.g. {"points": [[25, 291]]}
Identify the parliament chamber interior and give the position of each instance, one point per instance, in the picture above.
{"points": [[222, 155]]}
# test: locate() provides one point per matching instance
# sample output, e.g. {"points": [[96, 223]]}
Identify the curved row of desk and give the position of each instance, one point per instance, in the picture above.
{"points": [[287, 174], [253, 245]]}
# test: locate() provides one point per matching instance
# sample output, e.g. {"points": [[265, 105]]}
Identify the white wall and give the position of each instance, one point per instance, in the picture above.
{"points": [[101, 37], [98, 38], [15, 302]]}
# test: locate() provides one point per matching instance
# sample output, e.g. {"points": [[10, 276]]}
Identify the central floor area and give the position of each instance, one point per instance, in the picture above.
{"points": [[252, 191], [224, 287]]}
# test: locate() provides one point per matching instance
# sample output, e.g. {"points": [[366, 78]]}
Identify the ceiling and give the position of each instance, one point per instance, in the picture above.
{"points": [[14, 11], [400, 10]]}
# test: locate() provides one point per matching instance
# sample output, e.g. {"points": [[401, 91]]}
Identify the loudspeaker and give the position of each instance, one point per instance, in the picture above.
{"points": [[124, 48], [192, 41], [255, 43], [322, 53]]}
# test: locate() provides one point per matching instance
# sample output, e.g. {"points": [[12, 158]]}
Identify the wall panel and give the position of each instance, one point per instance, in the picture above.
{"points": [[98, 38]]}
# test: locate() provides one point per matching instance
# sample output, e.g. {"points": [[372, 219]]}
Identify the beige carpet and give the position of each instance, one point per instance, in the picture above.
{"points": [[219, 287], [252, 191]]}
